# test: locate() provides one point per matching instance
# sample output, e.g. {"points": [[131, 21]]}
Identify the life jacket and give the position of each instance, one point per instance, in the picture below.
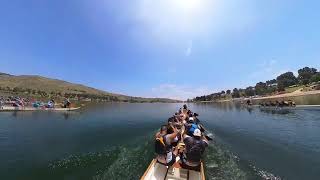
{"points": [[194, 154], [160, 146]]}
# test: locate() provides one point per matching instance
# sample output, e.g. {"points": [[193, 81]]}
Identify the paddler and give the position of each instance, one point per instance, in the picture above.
{"points": [[166, 153], [194, 149]]}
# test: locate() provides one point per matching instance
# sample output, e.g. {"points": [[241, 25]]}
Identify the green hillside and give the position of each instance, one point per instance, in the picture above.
{"points": [[42, 87]]}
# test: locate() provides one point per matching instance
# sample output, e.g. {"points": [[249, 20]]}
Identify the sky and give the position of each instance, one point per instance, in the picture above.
{"points": [[159, 48]]}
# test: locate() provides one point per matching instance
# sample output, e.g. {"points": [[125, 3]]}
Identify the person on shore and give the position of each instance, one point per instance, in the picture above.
{"points": [[51, 104], [166, 154], [195, 147], [66, 103]]}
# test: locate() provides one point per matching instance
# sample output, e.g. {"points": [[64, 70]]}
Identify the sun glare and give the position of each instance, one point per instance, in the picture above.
{"points": [[188, 6]]}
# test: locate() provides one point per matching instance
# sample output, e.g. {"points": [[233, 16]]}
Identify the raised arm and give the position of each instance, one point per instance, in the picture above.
{"points": [[174, 134]]}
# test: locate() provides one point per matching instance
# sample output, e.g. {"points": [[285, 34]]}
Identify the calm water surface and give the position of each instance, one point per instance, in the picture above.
{"points": [[114, 141]]}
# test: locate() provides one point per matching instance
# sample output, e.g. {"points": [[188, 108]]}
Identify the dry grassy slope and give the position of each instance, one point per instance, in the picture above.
{"points": [[54, 85], [46, 84]]}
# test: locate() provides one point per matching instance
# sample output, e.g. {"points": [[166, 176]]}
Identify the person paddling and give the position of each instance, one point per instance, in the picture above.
{"points": [[195, 147], [166, 154]]}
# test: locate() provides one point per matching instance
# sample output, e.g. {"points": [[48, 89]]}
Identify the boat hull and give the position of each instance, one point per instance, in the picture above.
{"points": [[157, 171], [11, 108]]}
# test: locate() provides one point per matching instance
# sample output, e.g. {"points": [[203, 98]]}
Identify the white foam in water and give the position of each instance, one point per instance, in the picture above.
{"points": [[220, 163], [269, 176]]}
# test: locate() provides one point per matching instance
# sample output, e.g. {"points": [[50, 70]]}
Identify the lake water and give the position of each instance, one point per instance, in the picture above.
{"points": [[114, 141]]}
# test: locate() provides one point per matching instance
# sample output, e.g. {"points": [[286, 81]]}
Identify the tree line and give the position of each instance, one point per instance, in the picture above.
{"points": [[306, 76], [18, 91], [79, 95]]}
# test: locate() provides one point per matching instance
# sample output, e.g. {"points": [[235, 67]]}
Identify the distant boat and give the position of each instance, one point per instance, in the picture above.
{"points": [[12, 108], [157, 171]]}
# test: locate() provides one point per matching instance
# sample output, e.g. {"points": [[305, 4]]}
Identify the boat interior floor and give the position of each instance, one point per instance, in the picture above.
{"points": [[162, 172]]}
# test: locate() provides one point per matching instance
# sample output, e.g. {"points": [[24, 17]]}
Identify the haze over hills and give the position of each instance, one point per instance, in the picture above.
{"points": [[42, 87]]}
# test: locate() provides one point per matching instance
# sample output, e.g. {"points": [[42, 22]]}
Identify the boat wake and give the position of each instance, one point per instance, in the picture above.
{"points": [[122, 162], [131, 160], [221, 164]]}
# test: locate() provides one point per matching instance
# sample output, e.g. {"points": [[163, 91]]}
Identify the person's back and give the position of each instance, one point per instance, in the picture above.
{"points": [[191, 128], [160, 147], [195, 147], [163, 148], [185, 107]]}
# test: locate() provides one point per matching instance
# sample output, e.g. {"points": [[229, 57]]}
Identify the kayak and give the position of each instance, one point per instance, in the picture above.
{"points": [[157, 171], [11, 108]]}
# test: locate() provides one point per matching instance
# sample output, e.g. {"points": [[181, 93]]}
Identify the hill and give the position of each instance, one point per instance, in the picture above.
{"points": [[42, 87]]}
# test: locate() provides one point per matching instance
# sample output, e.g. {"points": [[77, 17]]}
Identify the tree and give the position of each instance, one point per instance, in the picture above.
{"points": [[235, 93], [285, 80], [16, 89], [305, 74], [315, 77], [29, 90], [223, 92], [249, 91], [228, 91], [270, 82], [261, 88], [242, 92]]}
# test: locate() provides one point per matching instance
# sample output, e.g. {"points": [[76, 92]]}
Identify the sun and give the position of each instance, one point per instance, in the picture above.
{"points": [[188, 6], [179, 19]]}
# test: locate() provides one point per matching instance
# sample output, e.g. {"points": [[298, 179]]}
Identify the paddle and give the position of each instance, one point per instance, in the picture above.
{"points": [[208, 138], [202, 129]]}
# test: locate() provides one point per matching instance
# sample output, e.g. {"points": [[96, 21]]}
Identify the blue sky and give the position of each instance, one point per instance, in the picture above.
{"points": [[159, 48]]}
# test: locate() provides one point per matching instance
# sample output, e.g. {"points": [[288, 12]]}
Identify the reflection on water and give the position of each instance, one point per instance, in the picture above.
{"points": [[15, 114], [25, 114], [66, 116], [277, 111]]}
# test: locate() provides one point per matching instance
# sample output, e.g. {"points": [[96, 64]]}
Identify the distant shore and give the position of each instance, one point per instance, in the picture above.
{"points": [[286, 95], [293, 94]]}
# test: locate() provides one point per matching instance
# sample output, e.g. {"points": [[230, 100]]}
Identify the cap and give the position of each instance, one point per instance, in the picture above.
{"points": [[197, 132]]}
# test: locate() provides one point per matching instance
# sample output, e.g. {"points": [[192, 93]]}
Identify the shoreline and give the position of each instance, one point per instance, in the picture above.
{"points": [[286, 95], [292, 94]]}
